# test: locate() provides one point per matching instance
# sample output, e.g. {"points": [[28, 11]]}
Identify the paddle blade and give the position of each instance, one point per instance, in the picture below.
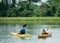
{"points": [[49, 28]]}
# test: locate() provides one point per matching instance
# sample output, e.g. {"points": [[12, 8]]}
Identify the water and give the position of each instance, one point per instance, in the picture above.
{"points": [[33, 29]]}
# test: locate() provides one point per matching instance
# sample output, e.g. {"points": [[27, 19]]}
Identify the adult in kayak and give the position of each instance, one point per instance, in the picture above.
{"points": [[22, 31]]}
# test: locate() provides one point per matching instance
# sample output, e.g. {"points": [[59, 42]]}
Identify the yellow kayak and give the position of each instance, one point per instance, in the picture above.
{"points": [[21, 35]]}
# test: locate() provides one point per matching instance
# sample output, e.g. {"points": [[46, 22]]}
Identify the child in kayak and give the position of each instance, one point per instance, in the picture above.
{"points": [[22, 31], [44, 32]]}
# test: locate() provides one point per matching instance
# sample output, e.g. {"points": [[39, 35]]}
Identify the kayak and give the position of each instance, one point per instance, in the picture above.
{"points": [[21, 35], [44, 35]]}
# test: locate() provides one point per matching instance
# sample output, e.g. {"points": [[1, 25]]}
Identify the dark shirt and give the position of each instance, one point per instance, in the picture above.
{"points": [[22, 31]]}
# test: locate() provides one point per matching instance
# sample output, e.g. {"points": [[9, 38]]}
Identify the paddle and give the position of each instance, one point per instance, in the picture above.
{"points": [[48, 28]]}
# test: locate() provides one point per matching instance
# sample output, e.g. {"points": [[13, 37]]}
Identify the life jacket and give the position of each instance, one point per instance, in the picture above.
{"points": [[22, 31]]}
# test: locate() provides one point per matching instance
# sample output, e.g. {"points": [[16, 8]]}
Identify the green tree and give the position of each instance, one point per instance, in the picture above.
{"points": [[55, 7], [13, 3], [12, 12], [3, 8]]}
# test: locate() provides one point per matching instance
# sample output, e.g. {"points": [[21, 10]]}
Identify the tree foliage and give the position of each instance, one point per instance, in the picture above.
{"points": [[27, 9]]}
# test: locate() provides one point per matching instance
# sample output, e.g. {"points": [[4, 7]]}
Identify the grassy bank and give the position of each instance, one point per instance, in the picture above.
{"points": [[42, 20]]}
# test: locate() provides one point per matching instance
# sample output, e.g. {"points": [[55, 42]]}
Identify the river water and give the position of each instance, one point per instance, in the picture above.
{"points": [[33, 29]]}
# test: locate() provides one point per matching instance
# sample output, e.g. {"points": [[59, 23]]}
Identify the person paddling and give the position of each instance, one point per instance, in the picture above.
{"points": [[22, 31], [44, 32]]}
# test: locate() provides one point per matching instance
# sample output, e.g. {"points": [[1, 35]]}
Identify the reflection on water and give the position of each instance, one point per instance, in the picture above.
{"points": [[33, 29]]}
